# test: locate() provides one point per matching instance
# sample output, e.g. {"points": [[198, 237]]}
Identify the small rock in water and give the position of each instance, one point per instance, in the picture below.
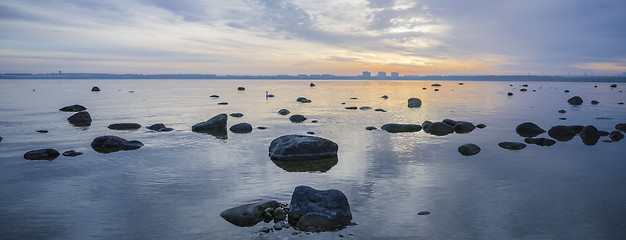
{"points": [[620, 103], [249, 214], [109, 144], [241, 128], [365, 108], [283, 112], [528, 129], [385, 96], [166, 129], [435, 85], [380, 110], [42, 154], [481, 126], [616, 136], [396, 128], [512, 145], [237, 115], [95, 89], [261, 128], [540, 141], [156, 126], [124, 126], [562, 118], [315, 210], [214, 96], [351, 108], [464, 127], [576, 100], [423, 213], [353, 98], [436, 90], [312, 85], [566, 91], [297, 118], [594, 102], [590, 135], [314, 121], [312, 133], [80, 119], [469, 149], [561, 111], [523, 90], [222, 103], [241, 88], [414, 102], [621, 127], [510, 94], [303, 100], [450, 122], [613, 85], [440, 129], [71, 153], [73, 108], [370, 128], [42, 131]]}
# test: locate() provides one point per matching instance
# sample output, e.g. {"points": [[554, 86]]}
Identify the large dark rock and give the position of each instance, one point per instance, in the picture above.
{"points": [[575, 100], [616, 136], [469, 149], [301, 147], [248, 215], [529, 129], [156, 126], [450, 122], [73, 108], [590, 135], [80, 119], [440, 129], [464, 127], [218, 122], [540, 141], [283, 112], [109, 144], [613, 85], [562, 133], [396, 127], [42, 154], [512, 145], [124, 126], [241, 128], [621, 127], [414, 102], [297, 118], [315, 210], [426, 124]]}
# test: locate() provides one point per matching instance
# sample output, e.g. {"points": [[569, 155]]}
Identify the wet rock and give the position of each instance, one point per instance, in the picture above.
{"points": [[73, 108], [562, 118], [395, 127], [283, 112], [450, 122], [241, 88], [426, 124], [423, 213], [315, 210], [95, 89], [464, 127], [510, 94], [279, 214], [380, 110], [469, 149], [314, 165], [440, 129], [1, 139], [314, 121], [562, 133], [312, 85], [249, 214], [166, 129], [303, 100], [525, 85], [214, 96], [436, 90], [460, 83], [222, 103], [561, 111], [616, 136], [603, 133], [236, 115], [523, 90], [265, 229], [71, 153], [435, 85], [241, 128], [384, 97], [621, 127], [216, 122], [42, 131], [156, 126], [351, 108], [540, 141], [576, 100], [577, 128], [109, 144], [414, 102], [594, 102], [124, 126], [365, 108], [370, 128], [613, 85], [80, 119], [301, 147], [529, 129], [512, 145], [353, 98], [261, 128], [481, 126], [297, 118], [42, 154], [312, 133], [590, 135], [566, 91]]}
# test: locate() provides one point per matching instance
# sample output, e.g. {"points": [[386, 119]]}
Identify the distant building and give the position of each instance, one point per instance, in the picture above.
{"points": [[382, 74], [303, 76], [624, 74], [395, 74], [367, 74]]}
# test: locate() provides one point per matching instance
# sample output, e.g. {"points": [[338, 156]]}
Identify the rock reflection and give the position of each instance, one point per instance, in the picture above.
{"points": [[320, 165], [219, 133]]}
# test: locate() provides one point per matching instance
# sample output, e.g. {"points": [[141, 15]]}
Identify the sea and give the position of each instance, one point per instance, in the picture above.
{"points": [[178, 183]]}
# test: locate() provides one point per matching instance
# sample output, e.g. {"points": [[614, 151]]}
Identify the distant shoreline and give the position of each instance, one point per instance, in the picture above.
{"points": [[79, 76]]}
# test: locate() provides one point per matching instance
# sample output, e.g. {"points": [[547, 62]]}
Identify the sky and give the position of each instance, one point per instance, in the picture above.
{"points": [[263, 37]]}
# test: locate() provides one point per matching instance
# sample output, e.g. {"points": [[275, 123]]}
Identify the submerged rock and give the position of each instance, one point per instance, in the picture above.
{"points": [[440, 129], [528, 129], [42, 154], [236, 115], [297, 118], [241, 128], [315, 165], [469, 149], [124, 126], [315, 210], [248, 215], [540, 141], [301, 147], [414, 102], [109, 144], [71, 153], [283, 112], [217, 122], [303, 100], [576, 100], [80, 119], [73, 108], [512, 145], [616, 136], [395, 127]]}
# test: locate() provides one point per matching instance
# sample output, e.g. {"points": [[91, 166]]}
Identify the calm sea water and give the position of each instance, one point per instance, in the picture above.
{"points": [[177, 184]]}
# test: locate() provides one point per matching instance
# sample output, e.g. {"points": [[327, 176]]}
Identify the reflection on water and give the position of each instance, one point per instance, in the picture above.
{"points": [[175, 186], [319, 165]]}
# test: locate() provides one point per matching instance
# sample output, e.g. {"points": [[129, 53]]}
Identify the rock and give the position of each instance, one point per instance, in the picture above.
{"points": [[594, 102], [460, 83], [301, 147], [380, 110], [577, 128], [464, 127], [395, 127], [561, 111], [424, 88], [261, 128], [1, 139], [241, 88], [469, 149], [216, 122], [351, 108], [71, 153], [384, 97], [620, 103], [303, 100], [314, 121], [237, 115], [95, 89], [436, 90], [540, 141], [222, 103], [523, 90], [576, 100], [603, 133], [80, 119], [440, 129], [124, 126], [510, 94], [353, 98], [450, 122], [562, 133], [109, 144], [525, 85], [566, 91], [166, 129], [435, 85], [315, 165], [423, 213], [241, 128], [590, 135], [283, 112], [214, 96], [42, 154], [481, 126], [73, 108], [365, 108], [512, 145], [414, 102], [265, 229], [42, 131], [297, 118], [613, 85], [279, 214], [370, 128], [315, 210], [621, 127], [249, 214], [562, 118], [280, 225], [312, 133], [529, 129], [312, 85], [426, 124], [156, 126], [616, 136]]}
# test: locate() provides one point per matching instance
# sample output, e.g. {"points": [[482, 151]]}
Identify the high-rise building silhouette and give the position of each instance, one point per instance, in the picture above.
{"points": [[395, 74], [382, 74], [367, 74]]}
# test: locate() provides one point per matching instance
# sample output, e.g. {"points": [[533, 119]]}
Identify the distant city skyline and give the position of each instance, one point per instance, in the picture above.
{"points": [[256, 37]]}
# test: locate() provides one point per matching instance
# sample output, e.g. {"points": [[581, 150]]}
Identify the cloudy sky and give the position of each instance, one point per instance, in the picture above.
{"points": [[345, 37]]}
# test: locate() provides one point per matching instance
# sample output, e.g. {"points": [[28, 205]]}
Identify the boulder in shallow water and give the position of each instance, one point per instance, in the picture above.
{"points": [[481, 126], [540, 141], [215, 123], [512, 145], [302, 147], [414, 102], [616, 136], [440, 129], [396, 127], [71, 153], [156, 126], [42, 154], [621, 127], [464, 127], [450, 122], [248, 215], [241, 128], [109, 144], [303, 100], [315, 210], [241, 88], [95, 89], [528, 129], [575, 100], [124, 126], [73, 108], [562, 133], [594, 102], [81, 119], [469, 149], [283, 112], [590, 135], [297, 118], [426, 124], [236, 115]]}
